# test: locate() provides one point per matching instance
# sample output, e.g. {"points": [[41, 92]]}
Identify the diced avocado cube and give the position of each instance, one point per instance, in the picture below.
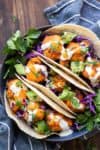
{"points": [[20, 69]]}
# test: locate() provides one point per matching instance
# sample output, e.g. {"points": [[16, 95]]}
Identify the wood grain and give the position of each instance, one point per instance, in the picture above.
{"points": [[22, 15]]}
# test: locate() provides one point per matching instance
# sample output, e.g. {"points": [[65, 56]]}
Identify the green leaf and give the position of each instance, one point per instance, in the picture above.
{"points": [[97, 118], [68, 37], [90, 125], [6, 73], [31, 95], [16, 35], [97, 98], [41, 127], [16, 47], [20, 69], [98, 108], [33, 33], [11, 44], [20, 45], [10, 61], [31, 37], [81, 118]]}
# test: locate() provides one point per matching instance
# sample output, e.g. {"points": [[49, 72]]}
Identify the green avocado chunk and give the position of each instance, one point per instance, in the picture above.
{"points": [[77, 66], [20, 69], [68, 37]]}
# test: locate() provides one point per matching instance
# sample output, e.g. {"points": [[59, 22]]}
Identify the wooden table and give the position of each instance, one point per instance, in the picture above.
{"points": [[22, 15]]}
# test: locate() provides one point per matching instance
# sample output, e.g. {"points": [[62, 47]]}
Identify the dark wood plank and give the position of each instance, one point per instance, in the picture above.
{"points": [[22, 15]]}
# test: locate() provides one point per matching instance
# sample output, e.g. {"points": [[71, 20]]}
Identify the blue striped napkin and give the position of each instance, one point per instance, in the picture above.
{"points": [[82, 12]]}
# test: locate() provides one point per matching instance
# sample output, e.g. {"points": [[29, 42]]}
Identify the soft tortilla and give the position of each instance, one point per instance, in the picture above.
{"points": [[20, 123], [78, 30], [73, 28]]}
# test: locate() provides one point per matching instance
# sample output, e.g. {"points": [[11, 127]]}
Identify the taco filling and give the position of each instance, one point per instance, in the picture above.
{"points": [[58, 85], [75, 54], [28, 106]]}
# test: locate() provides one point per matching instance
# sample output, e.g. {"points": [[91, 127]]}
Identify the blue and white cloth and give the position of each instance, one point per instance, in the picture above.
{"points": [[83, 12]]}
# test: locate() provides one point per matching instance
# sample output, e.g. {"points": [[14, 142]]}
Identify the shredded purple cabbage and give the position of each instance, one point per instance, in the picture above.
{"points": [[90, 53], [20, 113], [76, 126], [30, 55], [43, 107], [79, 38], [38, 49], [97, 85], [53, 90], [89, 101]]}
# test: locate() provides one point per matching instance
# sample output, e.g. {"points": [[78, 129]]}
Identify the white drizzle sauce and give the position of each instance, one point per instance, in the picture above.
{"points": [[63, 124], [48, 44], [63, 56], [45, 46], [66, 133], [27, 69], [30, 113], [66, 54], [97, 75], [41, 68], [15, 89], [89, 70]]}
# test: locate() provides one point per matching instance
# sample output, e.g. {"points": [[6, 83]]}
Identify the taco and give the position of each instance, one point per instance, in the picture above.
{"points": [[75, 50], [31, 113], [53, 85]]}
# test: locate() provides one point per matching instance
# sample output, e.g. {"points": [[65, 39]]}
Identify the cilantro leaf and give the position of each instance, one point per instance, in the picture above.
{"points": [[97, 101], [90, 125], [31, 37], [16, 46]]}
